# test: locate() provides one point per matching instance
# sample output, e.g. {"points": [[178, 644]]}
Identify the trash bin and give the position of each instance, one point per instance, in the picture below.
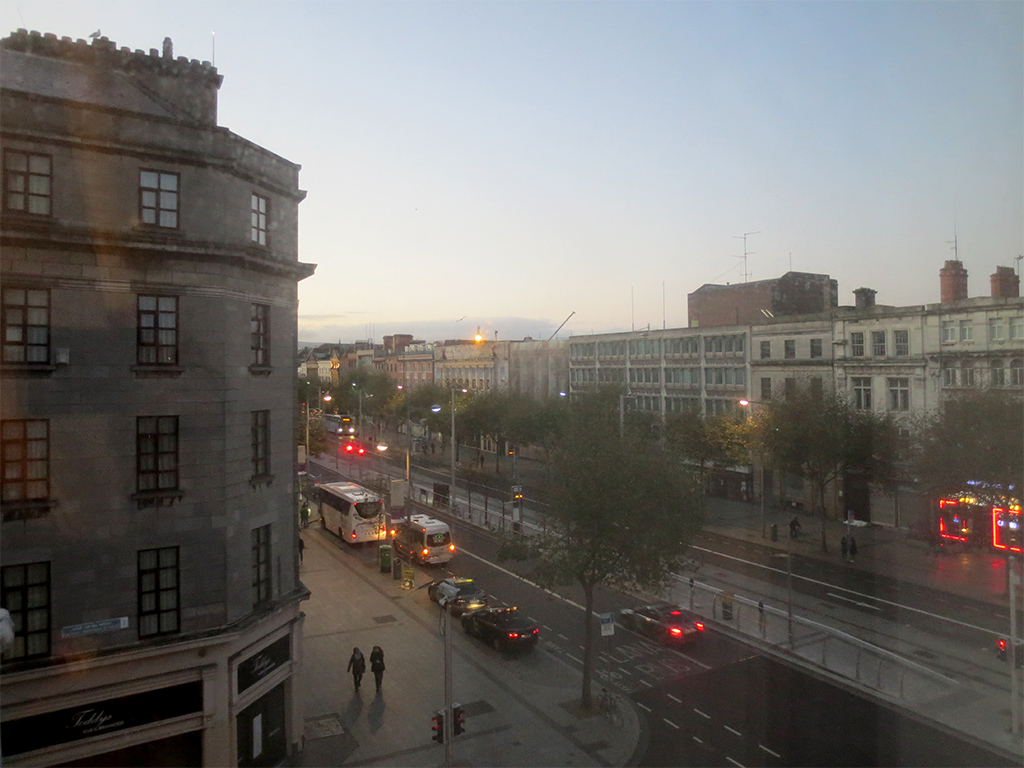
{"points": [[385, 557], [727, 606], [775, 532]]}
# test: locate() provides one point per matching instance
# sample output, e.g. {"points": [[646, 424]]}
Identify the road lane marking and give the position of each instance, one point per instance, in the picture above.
{"points": [[670, 723], [732, 730], [563, 637], [733, 761], [773, 754], [578, 661], [646, 683], [546, 628], [644, 707], [705, 716], [851, 600], [697, 740], [677, 701], [623, 670]]}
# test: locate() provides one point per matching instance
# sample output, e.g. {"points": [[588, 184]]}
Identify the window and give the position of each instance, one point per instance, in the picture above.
{"points": [[878, 343], [260, 443], [789, 348], [861, 392], [25, 591], [966, 330], [261, 564], [899, 394], [158, 199], [857, 344], [998, 373], [948, 331], [156, 440], [815, 347], [967, 375], [766, 350], [27, 183], [26, 460], [26, 325], [996, 329], [1017, 372], [901, 343], [259, 326], [258, 225], [159, 611], [1017, 328], [766, 389], [949, 375], [158, 330]]}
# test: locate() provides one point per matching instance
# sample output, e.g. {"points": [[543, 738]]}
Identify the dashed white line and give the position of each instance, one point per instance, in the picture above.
{"points": [[855, 602], [562, 636], [644, 707], [546, 628], [578, 661], [733, 761], [702, 714], [670, 723], [732, 730], [773, 754], [677, 701], [649, 685], [623, 670], [697, 740]]}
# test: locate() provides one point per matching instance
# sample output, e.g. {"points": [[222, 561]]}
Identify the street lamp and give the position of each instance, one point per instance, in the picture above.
{"points": [[749, 404], [320, 398]]}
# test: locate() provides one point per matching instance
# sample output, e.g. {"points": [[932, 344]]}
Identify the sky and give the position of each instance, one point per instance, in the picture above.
{"points": [[503, 166]]}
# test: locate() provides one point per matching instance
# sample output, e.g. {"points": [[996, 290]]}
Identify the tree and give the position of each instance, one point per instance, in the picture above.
{"points": [[822, 437], [715, 441], [976, 435], [621, 512]]}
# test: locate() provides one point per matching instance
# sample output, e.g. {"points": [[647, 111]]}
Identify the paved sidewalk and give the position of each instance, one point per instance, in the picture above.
{"points": [[520, 711]]}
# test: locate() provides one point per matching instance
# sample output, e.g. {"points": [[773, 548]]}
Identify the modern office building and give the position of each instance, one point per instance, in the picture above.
{"points": [[149, 292]]}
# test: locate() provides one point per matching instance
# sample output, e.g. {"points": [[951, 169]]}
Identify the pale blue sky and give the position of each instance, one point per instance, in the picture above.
{"points": [[512, 162]]}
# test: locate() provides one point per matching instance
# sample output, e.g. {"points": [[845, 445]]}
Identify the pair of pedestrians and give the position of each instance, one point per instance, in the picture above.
{"points": [[357, 665]]}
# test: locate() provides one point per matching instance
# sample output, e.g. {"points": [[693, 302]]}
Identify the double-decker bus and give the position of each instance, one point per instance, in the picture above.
{"points": [[982, 516], [342, 424], [352, 512]]}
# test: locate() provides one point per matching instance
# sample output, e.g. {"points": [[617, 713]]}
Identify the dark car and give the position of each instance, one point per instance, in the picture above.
{"points": [[463, 594], [663, 621], [504, 629]]}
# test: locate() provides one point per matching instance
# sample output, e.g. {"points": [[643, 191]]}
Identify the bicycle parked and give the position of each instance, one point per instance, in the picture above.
{"points": [[609, 706]]}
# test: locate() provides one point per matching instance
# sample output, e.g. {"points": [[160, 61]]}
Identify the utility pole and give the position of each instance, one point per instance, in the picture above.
{"points": [[448, 730]]}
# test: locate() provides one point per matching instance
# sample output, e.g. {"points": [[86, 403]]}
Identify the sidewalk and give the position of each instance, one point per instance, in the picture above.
{"points": [[520, 711]]}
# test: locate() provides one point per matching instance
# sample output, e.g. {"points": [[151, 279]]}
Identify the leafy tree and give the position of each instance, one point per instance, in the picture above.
{"points": [[976, 435], [822, 437], [715, 441], [621, 512]]}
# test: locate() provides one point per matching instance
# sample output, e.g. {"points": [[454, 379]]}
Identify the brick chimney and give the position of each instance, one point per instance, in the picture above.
{"points": [[953, 281], [1005, 283], [865, 297]]}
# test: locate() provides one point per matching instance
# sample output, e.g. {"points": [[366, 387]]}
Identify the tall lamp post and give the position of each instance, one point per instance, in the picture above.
{"points": [[451, 487], [750, 404]]}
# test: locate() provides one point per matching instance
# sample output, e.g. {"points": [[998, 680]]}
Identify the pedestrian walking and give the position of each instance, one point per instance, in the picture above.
{"points": [[377, 664], [853, 548], [304, 512], [357, 666], [844, 545], [302, 546], [794, 527]]}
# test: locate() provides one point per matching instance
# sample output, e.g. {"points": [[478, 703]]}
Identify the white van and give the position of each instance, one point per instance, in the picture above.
{"points": [[424, 539]]}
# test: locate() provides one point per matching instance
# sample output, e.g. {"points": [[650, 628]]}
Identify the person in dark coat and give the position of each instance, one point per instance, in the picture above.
{"points": [[377, 664], [844, 547], [357, 666], [853, 548]]}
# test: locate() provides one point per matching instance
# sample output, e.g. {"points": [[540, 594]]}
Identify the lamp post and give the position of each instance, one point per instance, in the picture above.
{"points": [[451, 488], [749, 404]]}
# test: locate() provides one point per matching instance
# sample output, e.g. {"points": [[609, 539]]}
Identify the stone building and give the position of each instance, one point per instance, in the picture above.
{"points": [[795, 293], [149, 292]]}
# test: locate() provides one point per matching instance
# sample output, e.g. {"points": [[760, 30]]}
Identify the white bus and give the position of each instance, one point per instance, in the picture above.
{"points": [[342, 425], [352, 512]]}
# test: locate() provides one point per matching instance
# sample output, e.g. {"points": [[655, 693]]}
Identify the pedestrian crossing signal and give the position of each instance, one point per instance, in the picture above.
{"points": [[458, 722], [438, 726]]}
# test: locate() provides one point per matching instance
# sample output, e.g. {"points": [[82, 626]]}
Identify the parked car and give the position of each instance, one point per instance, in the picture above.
{"points": [[462, 594], [665, 622], [504, 629]]}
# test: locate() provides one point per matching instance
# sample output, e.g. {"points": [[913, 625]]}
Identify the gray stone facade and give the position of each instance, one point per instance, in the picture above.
{"points": [[95, 120]]}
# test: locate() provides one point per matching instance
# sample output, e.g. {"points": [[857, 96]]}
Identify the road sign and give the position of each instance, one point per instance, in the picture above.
{"points": [[607, 624]]}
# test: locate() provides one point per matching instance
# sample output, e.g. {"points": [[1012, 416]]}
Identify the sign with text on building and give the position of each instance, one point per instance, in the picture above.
{"points": [[94, 627]]}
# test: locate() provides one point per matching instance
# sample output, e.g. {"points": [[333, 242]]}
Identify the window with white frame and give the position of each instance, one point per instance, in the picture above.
{"points": [[966, 328], [878, 343], [789, 349], [967, 378], [857, 344], [949, 375], [948, 331], [997, 373], [1017, 328], [901, 343], [766, 350], [899, 394], [996, 329], [1017, 372], [861, 386], [815, 347]]}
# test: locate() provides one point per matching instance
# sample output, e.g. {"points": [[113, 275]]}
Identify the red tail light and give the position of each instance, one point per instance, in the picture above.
{"points": [[676, 631], [536, 631], [513, 635], [451, 547], [699, 626], [426, 552], [353, 534]]}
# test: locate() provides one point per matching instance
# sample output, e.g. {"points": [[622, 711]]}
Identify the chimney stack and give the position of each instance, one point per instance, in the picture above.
{"points": [[168, 48], [865, 297], [1005, 283], [953, 281]]}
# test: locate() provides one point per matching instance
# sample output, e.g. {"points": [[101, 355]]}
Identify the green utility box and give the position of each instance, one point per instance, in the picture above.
{"points": [[385, 558]]}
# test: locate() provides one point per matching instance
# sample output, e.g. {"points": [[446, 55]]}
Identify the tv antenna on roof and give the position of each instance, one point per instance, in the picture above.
{"points": [[746, 253]]}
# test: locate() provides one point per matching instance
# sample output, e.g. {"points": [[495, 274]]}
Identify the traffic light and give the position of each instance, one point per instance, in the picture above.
{"points": [[1001, 652], [438, 726], [457, 720]]}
